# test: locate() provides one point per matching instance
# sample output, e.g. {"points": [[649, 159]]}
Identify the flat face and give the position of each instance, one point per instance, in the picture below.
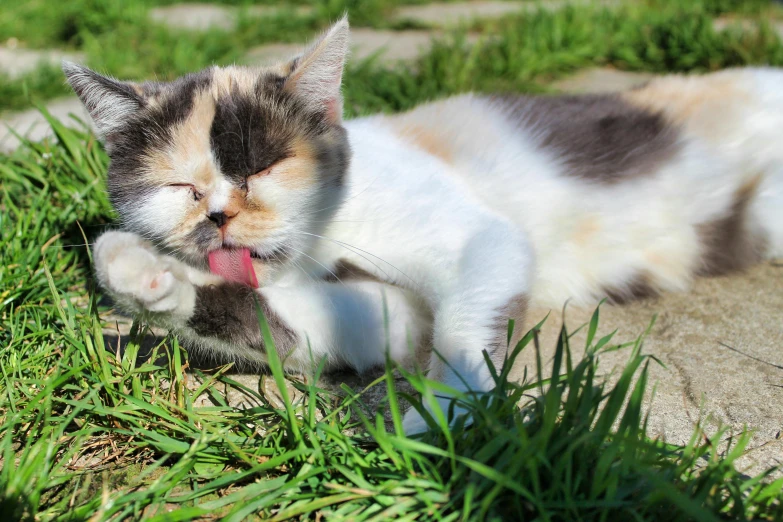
{"points": [[226, 158]]}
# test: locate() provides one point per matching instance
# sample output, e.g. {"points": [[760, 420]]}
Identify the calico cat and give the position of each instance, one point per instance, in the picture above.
{"points": [[239, 184]]}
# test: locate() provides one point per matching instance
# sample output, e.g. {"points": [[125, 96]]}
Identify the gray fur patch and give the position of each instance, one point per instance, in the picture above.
{"points": [[637, 288], [346, 271], [597, 137], [252, 131], [729, 243], [228, 312]]}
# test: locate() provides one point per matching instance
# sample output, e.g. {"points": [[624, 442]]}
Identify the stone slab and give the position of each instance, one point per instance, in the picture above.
{"points": [[391, 46], [201, 17], [601, 80], [16, 62], [32, 124], [272, 53], [452, 13], [723, 23], [722, 344]]}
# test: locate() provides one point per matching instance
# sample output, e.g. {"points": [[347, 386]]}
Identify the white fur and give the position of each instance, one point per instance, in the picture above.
{"points": [[763, 131], [220, 195]]}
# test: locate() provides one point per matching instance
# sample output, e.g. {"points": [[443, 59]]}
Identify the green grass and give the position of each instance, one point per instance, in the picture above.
{"points": [[657, 35], [90, 434]]}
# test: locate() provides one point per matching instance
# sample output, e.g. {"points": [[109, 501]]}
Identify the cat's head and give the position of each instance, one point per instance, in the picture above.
{"points": [[233, 157]]}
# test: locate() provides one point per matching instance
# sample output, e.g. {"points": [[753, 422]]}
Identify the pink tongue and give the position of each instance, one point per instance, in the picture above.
{"points": [[233, 264]]}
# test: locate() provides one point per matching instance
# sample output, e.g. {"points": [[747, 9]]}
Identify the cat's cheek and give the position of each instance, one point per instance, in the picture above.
{"points": [[181, 212], [163, 212]]}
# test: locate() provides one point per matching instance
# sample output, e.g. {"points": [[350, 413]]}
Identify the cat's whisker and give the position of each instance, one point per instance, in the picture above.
{"points": [[353, 249], [71, 246], [344, 221], [340, 203], [310, 276], [317, 262]]}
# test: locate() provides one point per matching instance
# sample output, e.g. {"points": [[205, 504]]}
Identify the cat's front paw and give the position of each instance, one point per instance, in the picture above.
{"points": [[140, 278], [413, 423]]}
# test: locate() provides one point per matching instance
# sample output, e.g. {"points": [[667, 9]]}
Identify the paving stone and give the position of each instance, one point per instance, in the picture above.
{"points": [[452, 13], [18, 62], [194, 16], [33, 125], [739, 387], [725, 22], [392, 46], [272, 53], [200, 17], [601, 80]]}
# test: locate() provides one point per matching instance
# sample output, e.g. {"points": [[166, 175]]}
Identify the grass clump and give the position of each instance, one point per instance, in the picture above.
{"points": [[92, 433], [517, 53]]}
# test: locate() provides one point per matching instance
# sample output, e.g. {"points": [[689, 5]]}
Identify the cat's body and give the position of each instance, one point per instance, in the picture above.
{"points": [[456, 215]]}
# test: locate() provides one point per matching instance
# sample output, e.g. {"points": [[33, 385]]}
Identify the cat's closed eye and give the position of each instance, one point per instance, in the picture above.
{"points": [[196, 194], [260, 173]]}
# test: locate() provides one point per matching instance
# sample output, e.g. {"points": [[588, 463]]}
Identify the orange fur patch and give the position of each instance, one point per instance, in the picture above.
{"points": [[226, 80], [189, 157], [702, 104], [425, 138], [301, 168], [586, 229]]}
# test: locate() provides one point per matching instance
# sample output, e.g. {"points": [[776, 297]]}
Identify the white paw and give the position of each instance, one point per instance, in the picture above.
{"points": [[140, 278], [413, 423]]}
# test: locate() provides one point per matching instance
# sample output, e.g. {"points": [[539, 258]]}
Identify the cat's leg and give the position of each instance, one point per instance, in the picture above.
{"points": [[758, 134], [343, 322], [492, 285]]}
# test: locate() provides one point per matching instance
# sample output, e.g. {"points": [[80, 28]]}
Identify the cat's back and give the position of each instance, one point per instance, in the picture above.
{"points": [[607, 186], [595, 137]]}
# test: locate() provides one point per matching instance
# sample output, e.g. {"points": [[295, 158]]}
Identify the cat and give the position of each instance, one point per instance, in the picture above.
{"points": [[238, 185]]}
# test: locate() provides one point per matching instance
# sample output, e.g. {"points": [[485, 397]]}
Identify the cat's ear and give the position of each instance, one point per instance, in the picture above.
{"points": [[110, 103], [316, 75]]}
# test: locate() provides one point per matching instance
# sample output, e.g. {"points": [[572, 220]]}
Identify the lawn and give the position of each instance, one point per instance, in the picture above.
{"points": [[88, 432]]}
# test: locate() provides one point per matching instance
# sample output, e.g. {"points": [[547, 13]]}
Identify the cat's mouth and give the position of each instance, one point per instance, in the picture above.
{"points": [[236, 264], [233, 264]]}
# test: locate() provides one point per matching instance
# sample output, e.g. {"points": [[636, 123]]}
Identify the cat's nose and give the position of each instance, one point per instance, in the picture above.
{"points": [[219, 218]]}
